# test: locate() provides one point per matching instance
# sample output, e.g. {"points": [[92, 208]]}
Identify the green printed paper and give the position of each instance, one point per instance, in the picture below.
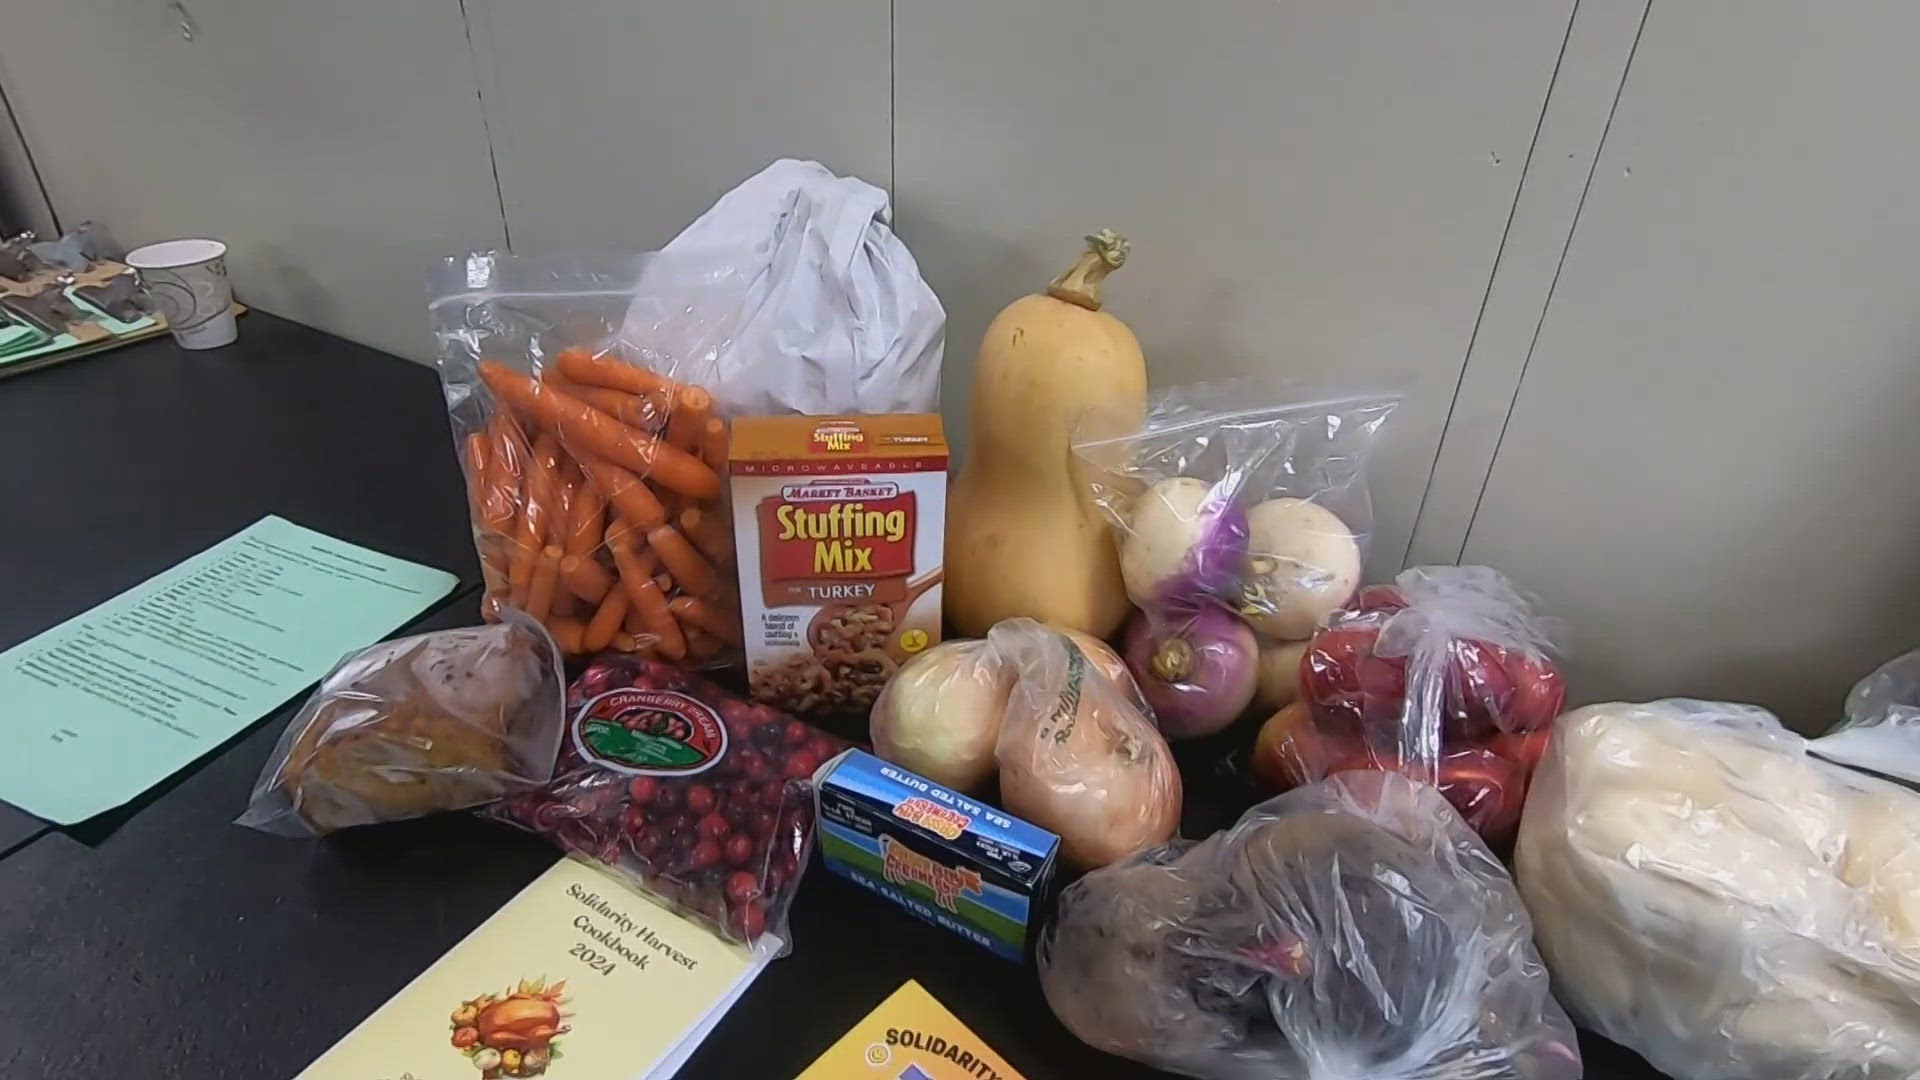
{"points": [[112, 701]]}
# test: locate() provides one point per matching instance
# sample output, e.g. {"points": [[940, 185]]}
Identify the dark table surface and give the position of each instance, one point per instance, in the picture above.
{"points": [[167, 942]]}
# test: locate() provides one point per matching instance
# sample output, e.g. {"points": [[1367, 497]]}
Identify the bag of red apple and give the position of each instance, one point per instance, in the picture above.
{"points": [[1262, 508], [1443, 676], [699, 797]]}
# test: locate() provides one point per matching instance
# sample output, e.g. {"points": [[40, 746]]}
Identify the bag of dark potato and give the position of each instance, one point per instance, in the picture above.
{"points": [[698, 796]]}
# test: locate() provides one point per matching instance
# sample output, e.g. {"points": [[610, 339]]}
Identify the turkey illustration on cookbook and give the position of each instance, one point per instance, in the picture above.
{"points": [[1023, 538]]}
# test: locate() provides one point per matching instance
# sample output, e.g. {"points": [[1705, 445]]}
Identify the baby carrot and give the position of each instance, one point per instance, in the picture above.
{"points": [[688, 425], [713, 444], [642, 412], [694, 573], [585, 526], [636, 576], [536, 504], [585, 577], [707, 528], [479, 458], [588, 431], [704, 646], [665, 581], [583, 367], [709, 616], [606, 621], [546, 572], [569, 634], [631, 499]]}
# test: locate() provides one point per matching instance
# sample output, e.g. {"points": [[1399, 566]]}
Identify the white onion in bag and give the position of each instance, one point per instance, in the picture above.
{"points": [[940, 714]]}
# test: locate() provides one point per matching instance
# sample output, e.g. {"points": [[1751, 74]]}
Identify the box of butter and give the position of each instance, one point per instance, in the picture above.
{"points": [[949, 858]]}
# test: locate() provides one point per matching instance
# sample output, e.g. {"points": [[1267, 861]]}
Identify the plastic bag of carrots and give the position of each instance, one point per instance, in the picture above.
{"points": [[595, 478]]}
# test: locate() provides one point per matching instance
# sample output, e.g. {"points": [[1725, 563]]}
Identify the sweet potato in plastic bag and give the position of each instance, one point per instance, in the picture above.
{"points": [[595, 479], [1352, 928], [694, 794], [439, 721]]}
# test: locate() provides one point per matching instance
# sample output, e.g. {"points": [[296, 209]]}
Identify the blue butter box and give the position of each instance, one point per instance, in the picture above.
{"points": [[949, 858]]}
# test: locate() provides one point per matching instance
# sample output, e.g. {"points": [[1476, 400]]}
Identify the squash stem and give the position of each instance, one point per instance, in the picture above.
{"points": [[1106, 252]]}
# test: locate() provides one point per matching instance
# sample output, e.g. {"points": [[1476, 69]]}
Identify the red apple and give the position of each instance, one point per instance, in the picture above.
{"points": [[1330, 668], [1488, 790], [1290, 749], [1378, 598], [1525, 748], [1539, 692], [1477, 691]]}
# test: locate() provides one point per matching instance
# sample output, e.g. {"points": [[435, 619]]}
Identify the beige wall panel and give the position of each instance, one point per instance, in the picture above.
{"points": [[1312, 188], [616, 123], [1709, 469], [336, 147]]}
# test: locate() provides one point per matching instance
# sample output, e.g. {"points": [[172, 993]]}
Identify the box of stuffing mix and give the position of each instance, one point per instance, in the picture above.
{"points": [[950, 859]]}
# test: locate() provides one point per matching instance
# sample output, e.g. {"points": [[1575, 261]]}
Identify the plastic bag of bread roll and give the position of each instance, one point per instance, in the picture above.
{"points": [[1078, 754], [441, 721]]}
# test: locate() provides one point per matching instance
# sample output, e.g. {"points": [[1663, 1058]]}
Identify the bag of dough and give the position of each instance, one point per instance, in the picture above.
{"points": [[1351, 928], [440, 721], [1710, 892]]}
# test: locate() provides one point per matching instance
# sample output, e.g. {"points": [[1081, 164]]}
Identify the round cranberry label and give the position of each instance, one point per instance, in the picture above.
{"points": [[649, 732]]}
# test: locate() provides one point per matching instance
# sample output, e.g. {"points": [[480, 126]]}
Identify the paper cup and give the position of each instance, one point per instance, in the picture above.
{"points": [[188, 281]]}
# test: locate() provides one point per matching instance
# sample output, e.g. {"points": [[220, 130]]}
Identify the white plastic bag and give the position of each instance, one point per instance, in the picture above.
{"points": [[1355, 928], [836, 319], [1709, 893]]}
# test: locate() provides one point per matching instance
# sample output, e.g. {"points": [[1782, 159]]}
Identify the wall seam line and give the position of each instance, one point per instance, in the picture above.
{"points": [[1486, 294], [1553, 286], [486, 127]]}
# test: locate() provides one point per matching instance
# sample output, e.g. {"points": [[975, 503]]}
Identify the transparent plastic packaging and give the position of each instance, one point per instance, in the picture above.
{"points": [[1712, 894], [1261, 508], [1078, 754], [595, 474], [1352, 928], [696, 795], [441, 721], [833, 318], [1443, 676], [940, 714]]}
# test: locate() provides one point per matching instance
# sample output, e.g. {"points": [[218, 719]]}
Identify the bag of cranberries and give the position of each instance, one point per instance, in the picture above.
{"points": [[1443, 676], [700, 797]]}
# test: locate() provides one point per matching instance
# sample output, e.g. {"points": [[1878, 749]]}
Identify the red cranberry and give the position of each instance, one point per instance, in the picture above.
{"points": [[798, 733], [761, 823], [773, 793], [634, 820], [739, 850], [668, 797], [802, 763], [742, 887], [777, 878], [713, 827], [699, 799], [703, 854], [751, 919], [642, 789]]}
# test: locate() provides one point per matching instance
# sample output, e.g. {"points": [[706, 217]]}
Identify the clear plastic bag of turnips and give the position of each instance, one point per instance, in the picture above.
{"points": [[439, 721], [1352, 928], [594, 476], [1445, 676], [1078, 754], [1221, 500], [1710, 892], [696, 795]]}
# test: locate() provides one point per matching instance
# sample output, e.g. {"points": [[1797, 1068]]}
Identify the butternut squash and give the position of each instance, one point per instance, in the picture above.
{"points": [[1023, 534]]}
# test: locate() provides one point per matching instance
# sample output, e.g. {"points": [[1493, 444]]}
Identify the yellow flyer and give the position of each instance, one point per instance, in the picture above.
{"points": [[910, 1036], [576, 978]]}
